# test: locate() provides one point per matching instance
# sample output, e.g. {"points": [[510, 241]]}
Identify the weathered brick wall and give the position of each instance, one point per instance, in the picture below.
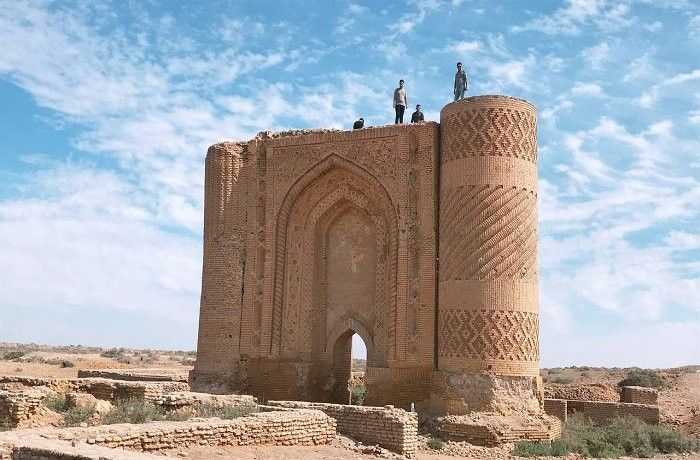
{"points": [[261, 198], [582, 391], [106, 389], [286, 428], [640, 395], [18, 407], [179, 399], [112, 390], [602, 411], [391, 428], [145, 375], [484, 429], [556, 407]]}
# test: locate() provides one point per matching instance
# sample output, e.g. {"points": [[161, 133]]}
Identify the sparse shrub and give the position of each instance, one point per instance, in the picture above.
{"points": [[56, 403], [13, 355], [623, 436], [436, 443], [554, 370], [585, 374], [536, 449], [66, 364], [562, 379], [358, 395], [77, 415], [187, 361], [133, 411], [113, 353], [642, 378]]}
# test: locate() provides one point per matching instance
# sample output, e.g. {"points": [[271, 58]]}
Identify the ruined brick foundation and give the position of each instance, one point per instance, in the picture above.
{"points": [[391, 428]]}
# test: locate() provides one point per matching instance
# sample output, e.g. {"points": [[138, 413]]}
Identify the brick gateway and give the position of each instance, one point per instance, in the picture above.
{"points": [[420, 238]]}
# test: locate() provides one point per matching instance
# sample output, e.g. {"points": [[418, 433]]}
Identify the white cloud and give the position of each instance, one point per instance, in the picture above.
{"points": [[550, 114], [694, 117], [569, 19], [91, 240], [649, 98], [515, 72], [464, 47], [587, 89], [597, 56], [694, 27], [590, 255]]}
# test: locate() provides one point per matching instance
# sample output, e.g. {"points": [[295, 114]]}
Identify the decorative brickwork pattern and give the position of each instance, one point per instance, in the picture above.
{"points": [[495, 227], [488, 317], [498, 127], [506, 335]]}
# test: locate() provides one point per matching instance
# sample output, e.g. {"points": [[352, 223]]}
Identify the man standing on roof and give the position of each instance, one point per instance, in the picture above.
{"points": [[461, 84], [400, 102]]}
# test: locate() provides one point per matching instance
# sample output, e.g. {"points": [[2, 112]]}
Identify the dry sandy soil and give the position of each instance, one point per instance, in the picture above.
{"points": [[336, 452], [34, 362]]}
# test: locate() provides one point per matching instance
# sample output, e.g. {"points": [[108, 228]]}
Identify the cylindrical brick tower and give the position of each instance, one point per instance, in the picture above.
{"points": [[222, 271], [488, 348]]}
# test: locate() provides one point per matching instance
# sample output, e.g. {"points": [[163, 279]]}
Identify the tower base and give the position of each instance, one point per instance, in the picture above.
{"points": [[460, 393]]}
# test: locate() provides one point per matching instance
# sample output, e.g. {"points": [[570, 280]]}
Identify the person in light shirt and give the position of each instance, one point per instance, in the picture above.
{"points": [[400, 102]]}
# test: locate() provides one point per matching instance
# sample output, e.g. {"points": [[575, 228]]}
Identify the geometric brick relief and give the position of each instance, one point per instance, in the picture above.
{"points": [[488, 232], [492, 131], [488, 334]]}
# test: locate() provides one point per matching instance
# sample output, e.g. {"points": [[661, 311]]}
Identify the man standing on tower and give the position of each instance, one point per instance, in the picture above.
{"points": [[461, 84], [400, 102]]}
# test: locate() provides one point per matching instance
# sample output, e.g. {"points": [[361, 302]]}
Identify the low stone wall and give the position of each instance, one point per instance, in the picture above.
{"points": [[107, 389], [640, 395], [44, 449], [286, 428], [490, 429], [582, 392], [16, 382], [391, 428], [142, 375], [602, 411], [180, 399], [556, 407], [112, 390], [18, 408]]}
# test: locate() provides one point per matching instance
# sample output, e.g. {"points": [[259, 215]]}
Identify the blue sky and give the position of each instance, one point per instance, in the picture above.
{"points": [[107, 108]]}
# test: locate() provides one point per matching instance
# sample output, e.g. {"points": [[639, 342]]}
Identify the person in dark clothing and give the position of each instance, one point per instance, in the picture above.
{"points": [[461, 82], [400, 102], [417, 116], [359, 124]]}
